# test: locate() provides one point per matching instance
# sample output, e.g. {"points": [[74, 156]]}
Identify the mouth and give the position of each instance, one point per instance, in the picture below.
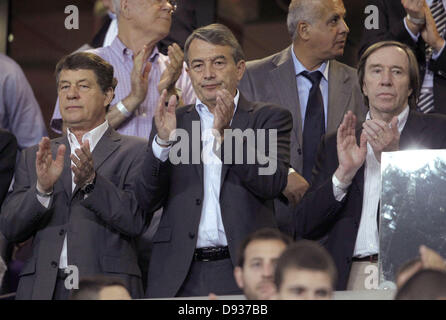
{"points": [[386, 95], [211, 86], [73, 108]]}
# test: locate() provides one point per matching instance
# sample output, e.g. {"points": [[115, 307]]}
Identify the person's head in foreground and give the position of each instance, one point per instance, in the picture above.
{"points": [[424, 285], [389, 79], [305, 271], [100, 288], [256, 262]]}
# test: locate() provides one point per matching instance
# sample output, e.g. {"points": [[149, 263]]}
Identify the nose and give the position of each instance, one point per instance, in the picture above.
{"points": [[344, 27], [209, 72], [386, 77], [268, 270], [168, 6], [73, 92]]}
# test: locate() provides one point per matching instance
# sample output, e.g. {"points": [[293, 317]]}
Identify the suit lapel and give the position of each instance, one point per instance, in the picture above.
{"points": [[289, 99], [239, 121], [65, 178], [104, 148], [358, 180], [412, 131], [338, 95]]}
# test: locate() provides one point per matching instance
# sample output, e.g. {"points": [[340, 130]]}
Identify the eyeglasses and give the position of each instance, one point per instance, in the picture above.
{"points": [[173, 4]]}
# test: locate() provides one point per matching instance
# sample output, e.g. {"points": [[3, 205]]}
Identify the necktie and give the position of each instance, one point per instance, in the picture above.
{"points": [[314, 124], [426, 100]]}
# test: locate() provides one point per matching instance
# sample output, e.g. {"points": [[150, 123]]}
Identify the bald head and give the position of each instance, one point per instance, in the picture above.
{"points": [[304, 10]]}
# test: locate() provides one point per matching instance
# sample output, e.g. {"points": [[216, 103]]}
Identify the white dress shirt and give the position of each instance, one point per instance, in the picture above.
{"points": [[211, 232], [367, 240], [93, 138]]}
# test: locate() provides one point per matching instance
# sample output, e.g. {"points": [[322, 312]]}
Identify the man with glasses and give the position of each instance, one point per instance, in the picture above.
{"points": [[142, 71]]}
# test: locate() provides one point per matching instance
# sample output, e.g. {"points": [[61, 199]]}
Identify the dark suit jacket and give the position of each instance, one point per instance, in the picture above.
{"points": [[337, 223], [391, 27], [245, 196], [101, 228], [8, 152], [273, 79]]}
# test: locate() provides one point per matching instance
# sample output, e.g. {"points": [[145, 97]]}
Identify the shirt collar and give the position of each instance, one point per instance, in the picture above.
{"points": [[299, 67], [201, 107], [92, 136], [123, 52], [402, 118]]}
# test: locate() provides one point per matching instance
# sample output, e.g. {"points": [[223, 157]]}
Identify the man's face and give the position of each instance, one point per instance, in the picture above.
{"points": [[257, 275], [149, 16], [211, 68], [82, 102], [328, 34], [386, 81], [305, 284]]}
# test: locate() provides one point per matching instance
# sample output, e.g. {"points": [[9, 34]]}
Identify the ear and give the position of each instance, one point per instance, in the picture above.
{"points": [[109, 95], [238, 275], [304, 30], [241, 67], [364, 89], [125, 9], [409, 93]]}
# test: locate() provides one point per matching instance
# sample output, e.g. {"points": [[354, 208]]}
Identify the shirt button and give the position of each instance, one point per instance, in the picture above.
{"points": [[198, 202], [54, 264], [191, 235], [61, 232]]}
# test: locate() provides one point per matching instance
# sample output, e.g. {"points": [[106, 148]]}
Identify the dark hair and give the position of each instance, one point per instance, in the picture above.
{"points": [[423, 285], [216, 34], [414, 76], [261, 234], [89, 287], [305, 254], [86, 60]]}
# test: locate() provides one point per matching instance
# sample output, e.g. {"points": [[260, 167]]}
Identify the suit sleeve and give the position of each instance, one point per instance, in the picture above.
{"points": [[22, 214], [268, 175], [119, 207], [317, 209], [152, 183], [8, 152]]}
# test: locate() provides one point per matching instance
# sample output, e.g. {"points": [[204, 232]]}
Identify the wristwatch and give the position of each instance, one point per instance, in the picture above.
{"points": [[89, 186]]}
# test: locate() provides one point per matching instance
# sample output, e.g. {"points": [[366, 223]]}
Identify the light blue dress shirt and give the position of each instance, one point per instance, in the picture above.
{"points": [[304, 86]]}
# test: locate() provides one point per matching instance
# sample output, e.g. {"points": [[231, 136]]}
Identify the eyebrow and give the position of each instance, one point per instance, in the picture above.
{"points": [[380, 65], [212, 59], [81, 80]]}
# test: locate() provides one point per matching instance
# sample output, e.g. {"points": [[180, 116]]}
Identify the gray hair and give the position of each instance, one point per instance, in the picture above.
{"points": [[216, 34], [302, 11]]}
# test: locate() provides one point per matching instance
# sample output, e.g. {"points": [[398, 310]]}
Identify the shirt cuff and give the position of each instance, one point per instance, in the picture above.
{"points": [[435, 54], [291, 170], [339, 188], [161, 153], [414, 37]]}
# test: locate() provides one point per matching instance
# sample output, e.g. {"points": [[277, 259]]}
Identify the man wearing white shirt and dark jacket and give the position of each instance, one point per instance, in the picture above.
{"points": [[211, 203], [421, 24], [74, 194], [341, 209]]}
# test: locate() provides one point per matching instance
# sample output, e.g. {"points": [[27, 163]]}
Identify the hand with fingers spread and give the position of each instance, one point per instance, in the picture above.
{"points": [[48, 170], [83, 167], [173, 69], [140, 76], [430, 33], [382, 136], [165, 117], [351, 156], [223, 112]]}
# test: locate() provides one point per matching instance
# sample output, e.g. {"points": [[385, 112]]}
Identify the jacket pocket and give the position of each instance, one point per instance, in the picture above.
{"points": [[163, 235], [120, 265]]}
